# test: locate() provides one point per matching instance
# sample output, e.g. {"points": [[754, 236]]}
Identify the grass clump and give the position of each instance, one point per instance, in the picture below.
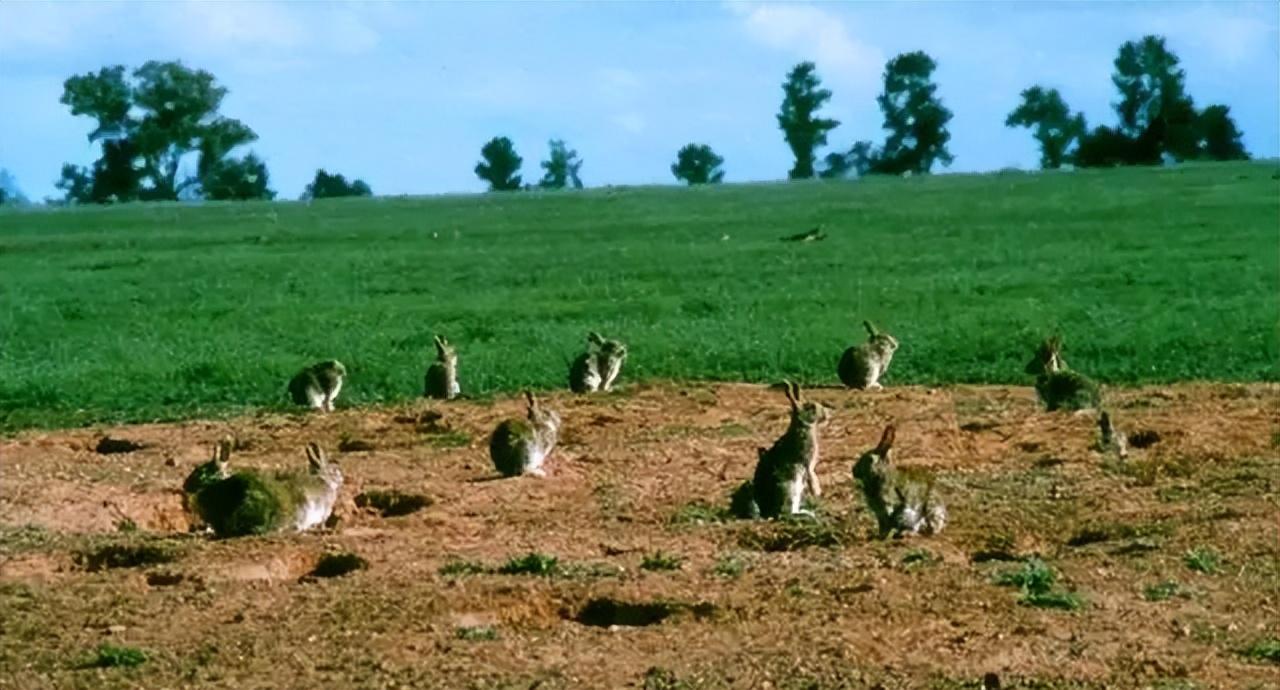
{"points": [[661, 561], [476, 633], [1162, 591], [392, 503], [456, 566], [338, 564], [1267, 649], [699, 513], [111, 656], [730, 567], [792, 535], [1037, 581], [114, 556], [1203, 560], [539, 564]]}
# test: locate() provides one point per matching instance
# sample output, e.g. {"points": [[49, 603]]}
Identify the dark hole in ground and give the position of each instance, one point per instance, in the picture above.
{"points": [[974, 427], [392, 503], [355, 445], [338, 564], [1144, 438], [606, 612], [164, 579], [111, 446], [124, 556]]}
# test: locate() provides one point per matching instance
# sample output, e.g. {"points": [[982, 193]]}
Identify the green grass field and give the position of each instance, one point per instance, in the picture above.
{"points": [[164, 311]]}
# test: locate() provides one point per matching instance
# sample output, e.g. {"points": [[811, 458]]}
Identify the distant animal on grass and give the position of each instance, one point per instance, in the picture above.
{"points": [[787, 468], [318, 385], [1058, 387], [441, 381], [814, 235], [250, 501], [862, 366], [903, 500], [597, 369], [521, 446]]}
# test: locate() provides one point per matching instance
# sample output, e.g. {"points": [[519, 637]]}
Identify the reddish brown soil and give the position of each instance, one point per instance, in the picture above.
{"points": [[625, 483]]}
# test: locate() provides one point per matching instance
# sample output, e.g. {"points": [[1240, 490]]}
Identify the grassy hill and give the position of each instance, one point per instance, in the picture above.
{"points": [[163, 311]]}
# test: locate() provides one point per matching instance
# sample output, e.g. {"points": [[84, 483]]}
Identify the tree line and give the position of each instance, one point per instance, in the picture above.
{"points": [[162, 136]]}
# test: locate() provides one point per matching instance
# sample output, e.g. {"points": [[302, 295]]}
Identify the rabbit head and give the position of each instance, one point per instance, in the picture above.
{"points": [[880, 342], [875, 462], [445, 354], [803, 411], [1048, 358], [217, 468], [319, 466], [541, 419]]}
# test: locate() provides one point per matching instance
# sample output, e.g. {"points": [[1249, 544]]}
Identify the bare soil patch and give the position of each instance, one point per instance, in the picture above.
{"points": [[642, 476]]}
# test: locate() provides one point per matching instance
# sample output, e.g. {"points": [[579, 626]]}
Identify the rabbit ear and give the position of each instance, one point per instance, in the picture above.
{"points": [[530, 400], [871, 329], [315, 456], [886, 441], [594, 338], [793, 393]]}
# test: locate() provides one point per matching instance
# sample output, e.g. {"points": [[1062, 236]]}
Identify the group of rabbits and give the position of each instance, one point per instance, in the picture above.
{"points": [[902, 500]]}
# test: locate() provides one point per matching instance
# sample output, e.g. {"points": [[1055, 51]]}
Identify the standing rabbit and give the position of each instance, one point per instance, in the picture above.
{"points": [[317, 386], [598, 367], [521, 446], [861, 366], [254, 502], [901, 499], [1058, 387], [441, 381], [790, 465]]}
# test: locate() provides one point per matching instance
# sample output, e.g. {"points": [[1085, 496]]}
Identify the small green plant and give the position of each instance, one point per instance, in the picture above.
{"points": [[457, 566], [531, 564], [658, 678], [918, 556], [1162, 591], [1266, 649], [126, 526], [730, 566], [476, 633], [338, 564], [111, 656], [1036, 580], [449, 439], [661, 561], [1202, 560], [699, 513]]}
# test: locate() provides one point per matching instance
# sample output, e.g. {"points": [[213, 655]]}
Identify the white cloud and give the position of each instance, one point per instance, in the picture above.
{"points": [[813, 33]]}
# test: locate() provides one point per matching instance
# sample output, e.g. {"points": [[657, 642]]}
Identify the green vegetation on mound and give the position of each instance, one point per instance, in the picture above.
{"points": [[155, 311]]}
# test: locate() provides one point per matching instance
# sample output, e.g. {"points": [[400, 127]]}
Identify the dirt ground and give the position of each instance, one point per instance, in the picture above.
{"points": [[95, 549]]}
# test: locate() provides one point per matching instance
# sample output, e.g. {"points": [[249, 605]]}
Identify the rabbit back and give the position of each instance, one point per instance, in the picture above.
{"points": [[514, 448], [859, 367], [246, 503], [584, 374], [1067, 390]]}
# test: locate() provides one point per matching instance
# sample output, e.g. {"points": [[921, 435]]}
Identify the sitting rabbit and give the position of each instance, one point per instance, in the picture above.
{"points": [[254, 502], [862, 366], [317, 386], [1058, 387], [789, 466], [901, 499], [598, 367], [521, 446], [441, 381]]}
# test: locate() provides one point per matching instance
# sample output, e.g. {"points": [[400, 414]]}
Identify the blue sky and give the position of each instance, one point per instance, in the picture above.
{"points": [[403, 95]]}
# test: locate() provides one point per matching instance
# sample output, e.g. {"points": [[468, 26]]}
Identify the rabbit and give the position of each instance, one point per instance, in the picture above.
{"points": [[442, 376], [902, 500], [1112, 439], [1057, 386], [789, 466], [317, 386], [598, 367], [254, 502], [207, 474], [521, 446], [861, 366]]}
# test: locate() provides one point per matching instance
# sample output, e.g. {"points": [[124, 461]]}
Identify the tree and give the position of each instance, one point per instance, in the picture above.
{"points": [[698, 164], [326, 186], [239, 180], [1219, 137], [561, 167], [1056, 129], [10, 194], [914, 117], [148, 127], [803, 130], [501, 165], [1153, 100]]}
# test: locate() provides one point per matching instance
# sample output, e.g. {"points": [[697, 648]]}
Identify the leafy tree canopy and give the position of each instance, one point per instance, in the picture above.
{"points": [[798, 117], [561, 167], [501, 165], [330, 186], [698, 164]]}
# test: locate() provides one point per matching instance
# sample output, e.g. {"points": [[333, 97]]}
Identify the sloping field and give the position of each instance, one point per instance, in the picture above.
{"points": [[148, 312], [1169, 558]]}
